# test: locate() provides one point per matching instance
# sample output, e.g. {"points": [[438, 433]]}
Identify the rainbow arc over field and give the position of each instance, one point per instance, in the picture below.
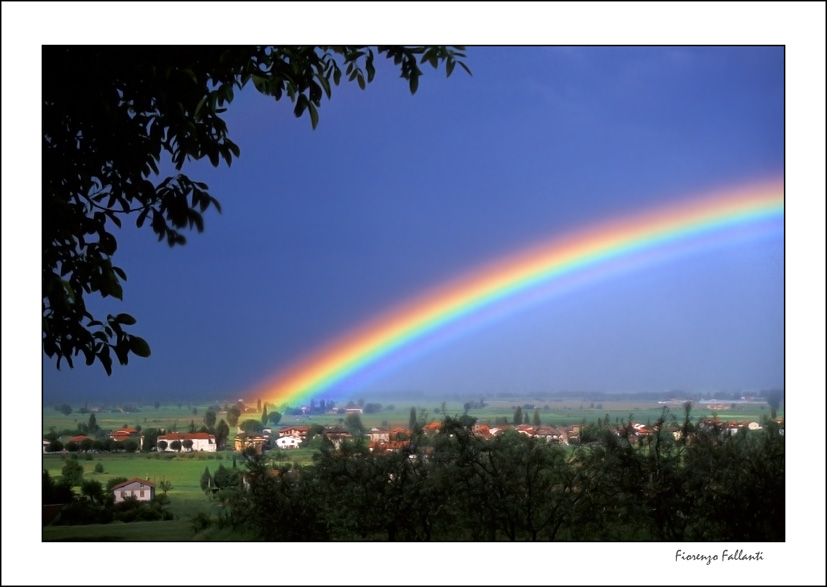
{"points": [[691, 221]]}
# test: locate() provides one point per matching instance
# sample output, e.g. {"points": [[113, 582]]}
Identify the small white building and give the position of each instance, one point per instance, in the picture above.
{"points": [[288, 442], [140, 489], [201, 441]]}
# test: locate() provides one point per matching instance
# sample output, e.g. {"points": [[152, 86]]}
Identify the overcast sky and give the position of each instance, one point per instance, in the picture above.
{"points": [[394, 193]]}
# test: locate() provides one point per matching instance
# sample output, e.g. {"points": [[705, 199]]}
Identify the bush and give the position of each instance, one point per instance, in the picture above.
{"points": [[72, 472], [201, 522], [99, 468]]}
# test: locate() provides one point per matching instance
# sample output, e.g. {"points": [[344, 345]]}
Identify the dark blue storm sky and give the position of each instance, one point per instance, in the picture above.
{"points": [[394, 193]]}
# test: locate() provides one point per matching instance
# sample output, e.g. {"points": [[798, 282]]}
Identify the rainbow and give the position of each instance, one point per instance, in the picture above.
{"points": [[390, 333]]}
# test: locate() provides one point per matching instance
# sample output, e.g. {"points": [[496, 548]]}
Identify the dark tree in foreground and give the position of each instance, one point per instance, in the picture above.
{"points": [[677, 482], [56, 492], [112, 114]]}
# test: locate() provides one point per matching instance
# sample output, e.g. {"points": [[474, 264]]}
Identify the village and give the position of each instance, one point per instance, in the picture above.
{"points": [[380, 439]]}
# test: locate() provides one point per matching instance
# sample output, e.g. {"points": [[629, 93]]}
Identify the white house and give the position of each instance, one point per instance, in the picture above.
{"points": [[140, 489], [288, 442], [201, 441]]}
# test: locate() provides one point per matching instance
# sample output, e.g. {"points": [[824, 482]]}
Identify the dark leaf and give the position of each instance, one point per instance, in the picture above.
{"points": [[314, 115], [122, 352], [105, 359], [301, 104], [125, 319], [213, 155], [108, 243], [139, 346], [142, 217]]}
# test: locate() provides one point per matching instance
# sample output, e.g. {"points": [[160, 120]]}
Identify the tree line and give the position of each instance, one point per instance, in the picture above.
{"points": [[680, 483]]}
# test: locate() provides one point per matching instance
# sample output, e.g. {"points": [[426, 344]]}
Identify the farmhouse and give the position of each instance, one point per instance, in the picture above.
{"points": [[140, 489], [201, 441], [288, 442], [257, 442], [551, 434], [336, 435]]}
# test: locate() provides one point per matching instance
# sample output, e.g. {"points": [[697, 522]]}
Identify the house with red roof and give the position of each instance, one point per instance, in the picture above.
{"points": [[299, 432], [80, 438], [124, 434], [432, 427]]}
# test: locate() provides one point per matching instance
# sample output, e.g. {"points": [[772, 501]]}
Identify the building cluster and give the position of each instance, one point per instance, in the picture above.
{"points": [[379, 439]]}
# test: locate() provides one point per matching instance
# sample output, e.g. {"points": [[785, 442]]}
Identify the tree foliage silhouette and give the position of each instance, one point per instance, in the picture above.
{"points": [[111, 113]]}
